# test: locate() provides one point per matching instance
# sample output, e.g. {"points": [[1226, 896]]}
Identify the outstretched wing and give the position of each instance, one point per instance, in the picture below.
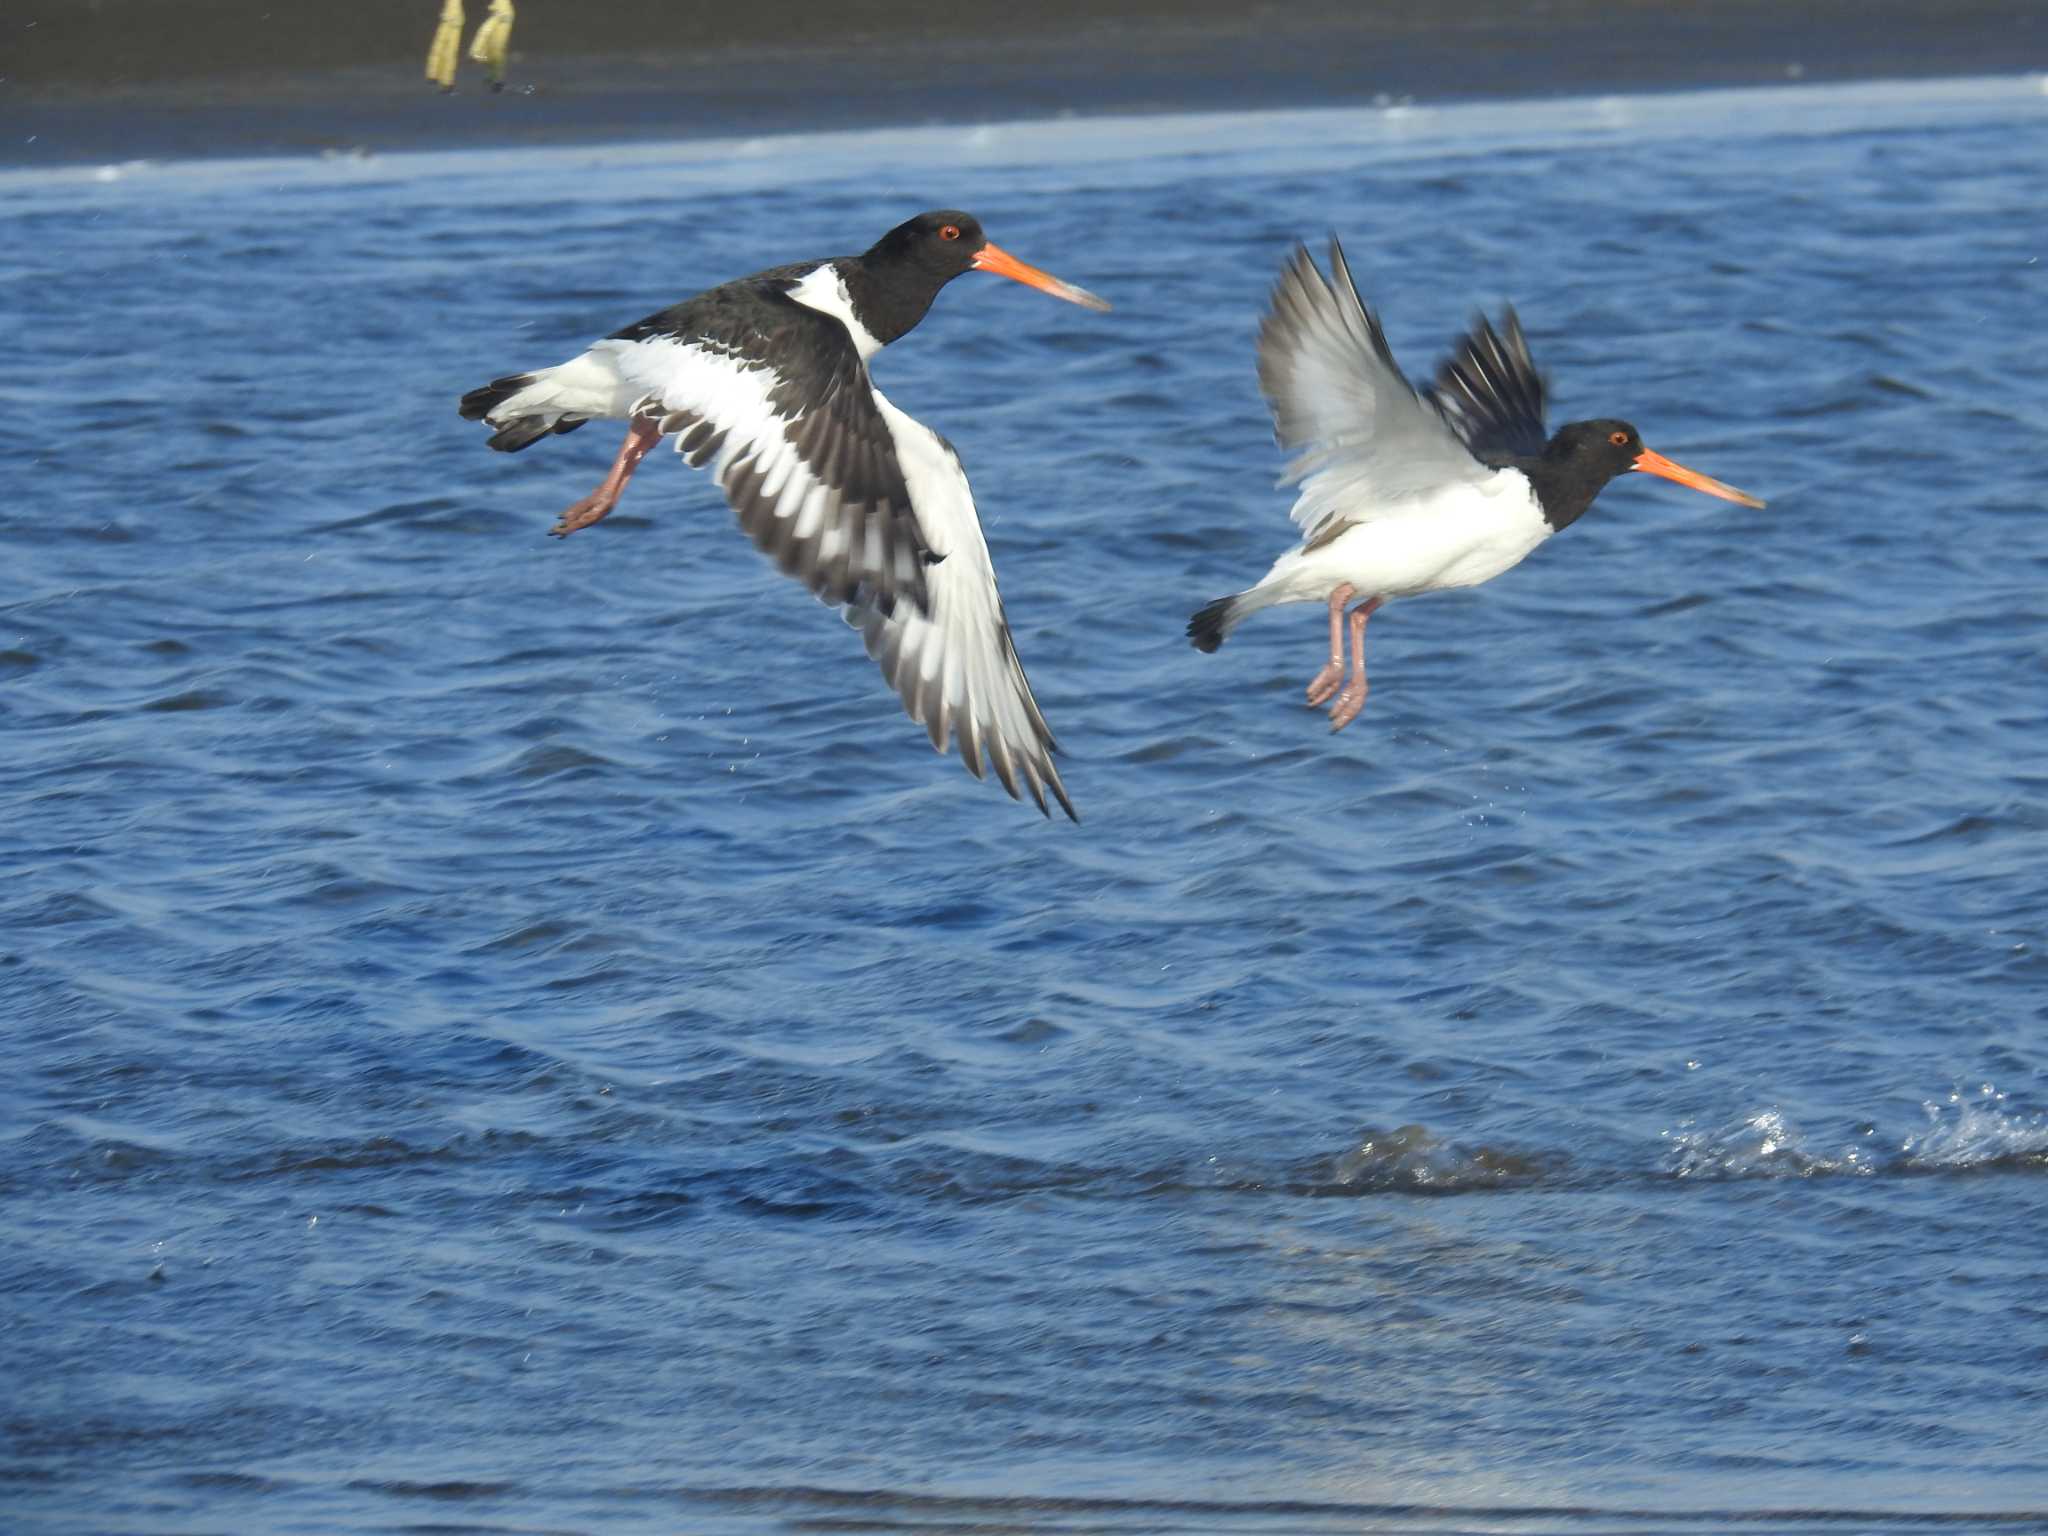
{"points": [[782, 411], [1362, 438], [954, 663], [1491, 393]]}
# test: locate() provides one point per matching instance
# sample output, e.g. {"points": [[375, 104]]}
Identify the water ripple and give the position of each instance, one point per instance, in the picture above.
{"points": [[519, 1034]]}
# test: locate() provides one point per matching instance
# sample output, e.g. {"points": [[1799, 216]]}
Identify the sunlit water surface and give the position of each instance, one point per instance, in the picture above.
{"points": [[505, 1035]]}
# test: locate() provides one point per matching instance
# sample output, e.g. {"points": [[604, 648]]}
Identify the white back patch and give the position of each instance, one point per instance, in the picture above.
{"points": [[825, 291]]}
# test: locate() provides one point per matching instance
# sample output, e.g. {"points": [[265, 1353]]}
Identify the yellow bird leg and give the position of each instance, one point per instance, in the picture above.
{"points": [[493, 41], [446, 46]]}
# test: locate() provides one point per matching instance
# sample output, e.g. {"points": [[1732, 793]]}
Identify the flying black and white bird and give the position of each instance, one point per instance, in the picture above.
{"points": [[765, 381], [1405, 492]]}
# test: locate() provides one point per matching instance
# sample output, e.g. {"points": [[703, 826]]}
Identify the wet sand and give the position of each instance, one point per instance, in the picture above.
{"points": [[120, 79]]}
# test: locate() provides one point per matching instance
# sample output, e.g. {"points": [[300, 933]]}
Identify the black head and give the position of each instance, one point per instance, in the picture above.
{"points": [[932, 249], [1599, 450], [941, 244], [1582, 456]]}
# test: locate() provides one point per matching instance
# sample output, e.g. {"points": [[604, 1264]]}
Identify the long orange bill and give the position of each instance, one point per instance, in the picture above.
{"points": [[1656, 464], [994, 259]]}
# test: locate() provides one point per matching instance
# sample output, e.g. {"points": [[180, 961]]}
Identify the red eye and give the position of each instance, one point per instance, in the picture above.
{"points": [[950, 232], [1619, 439]]}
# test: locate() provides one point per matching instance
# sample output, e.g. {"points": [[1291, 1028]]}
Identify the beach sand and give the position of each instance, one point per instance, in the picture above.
{"points": [[94, 80]]}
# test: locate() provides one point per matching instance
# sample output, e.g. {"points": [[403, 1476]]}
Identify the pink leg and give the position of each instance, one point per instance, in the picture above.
{"points": [[1324, 683], [641, 435], [1352, 699]]}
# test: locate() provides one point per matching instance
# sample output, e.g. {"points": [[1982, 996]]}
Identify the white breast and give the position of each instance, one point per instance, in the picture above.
{"points": [[1456, 537]]}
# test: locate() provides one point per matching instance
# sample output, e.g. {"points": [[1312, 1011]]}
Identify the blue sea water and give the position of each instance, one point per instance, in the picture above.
{"points": [[515, 1036]]}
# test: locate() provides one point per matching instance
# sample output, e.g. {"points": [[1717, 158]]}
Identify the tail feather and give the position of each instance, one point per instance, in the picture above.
{"points": [[479, 403], [498, 403], [1212, 625], [526, 407], [524, 431]]}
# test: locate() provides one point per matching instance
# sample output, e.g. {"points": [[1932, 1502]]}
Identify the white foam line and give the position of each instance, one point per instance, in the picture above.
{"points": [[1226, 140]]}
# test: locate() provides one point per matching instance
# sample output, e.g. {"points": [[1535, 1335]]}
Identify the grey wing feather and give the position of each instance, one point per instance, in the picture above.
{"points": [[1362, 438]]}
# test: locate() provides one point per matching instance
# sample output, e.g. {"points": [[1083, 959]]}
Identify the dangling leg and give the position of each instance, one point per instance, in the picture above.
{"points": [[1324, 683], [1352, 699], [642, 435]]}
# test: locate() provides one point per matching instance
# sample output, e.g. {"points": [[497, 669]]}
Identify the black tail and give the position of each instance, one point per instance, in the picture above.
{"points": [[1208, 627], [526, 430], [520, 431], [479, 403]]}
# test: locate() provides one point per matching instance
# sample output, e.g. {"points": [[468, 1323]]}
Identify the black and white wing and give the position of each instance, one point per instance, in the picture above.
{"points": [[1491, 393], [1363, 440], [774, 397], [954, 663], [782, 411]]}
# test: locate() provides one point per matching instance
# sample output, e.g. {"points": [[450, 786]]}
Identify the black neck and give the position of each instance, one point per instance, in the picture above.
{"points": [[889, 298], [1565, 486]]}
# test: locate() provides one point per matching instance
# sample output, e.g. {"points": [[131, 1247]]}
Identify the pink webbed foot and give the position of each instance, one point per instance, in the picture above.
{"points": [[1352, 699], [1348, 704], [590, 509], [1325, 682], [641, 435]]}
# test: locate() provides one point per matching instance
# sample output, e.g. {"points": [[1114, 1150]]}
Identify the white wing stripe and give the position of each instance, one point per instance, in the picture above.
{"points": [[884, 488], [811, 512], [956, 670], [845, 527]]}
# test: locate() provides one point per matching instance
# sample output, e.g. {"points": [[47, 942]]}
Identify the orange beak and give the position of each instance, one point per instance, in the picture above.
{"points": [[994, 259], [1656, 464]]}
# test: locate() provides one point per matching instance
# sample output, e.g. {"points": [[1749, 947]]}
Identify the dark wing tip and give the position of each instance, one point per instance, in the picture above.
{"points": [[1025, 754], [1490, 391], [1052, 782], [1302, 290], [1338, 265]]}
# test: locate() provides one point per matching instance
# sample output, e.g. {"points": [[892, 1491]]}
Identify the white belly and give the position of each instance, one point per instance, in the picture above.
{"points": [[1458, 539]]}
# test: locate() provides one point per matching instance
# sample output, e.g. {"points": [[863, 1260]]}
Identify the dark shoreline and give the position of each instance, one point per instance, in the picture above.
{"points": [[136, 79]]}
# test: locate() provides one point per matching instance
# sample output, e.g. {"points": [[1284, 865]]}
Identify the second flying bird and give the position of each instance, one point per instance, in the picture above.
{"points": [[1404, 493]]}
